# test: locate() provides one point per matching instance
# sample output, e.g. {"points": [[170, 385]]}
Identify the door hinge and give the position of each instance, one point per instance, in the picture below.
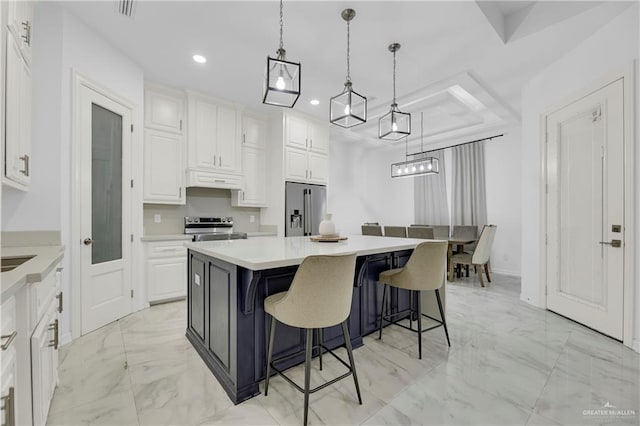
{"points": [[132, 128], [131, 237], [132, 294], [132, 183]]}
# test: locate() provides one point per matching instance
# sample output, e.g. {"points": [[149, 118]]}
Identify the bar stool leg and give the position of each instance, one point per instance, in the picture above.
{"points": [[347, 342], [320, 342], [382, 308], [272, 335], [411, 309], [307, 372], [444, 322], [419, 327]]}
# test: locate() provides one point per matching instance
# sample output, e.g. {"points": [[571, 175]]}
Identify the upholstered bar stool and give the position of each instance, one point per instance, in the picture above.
{"points": [[424, 271], [319, 297], [426, 233], [395, 231], [375, 230]]}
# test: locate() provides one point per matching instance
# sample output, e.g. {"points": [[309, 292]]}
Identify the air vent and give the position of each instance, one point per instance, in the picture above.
{"points": [[126, 7]]}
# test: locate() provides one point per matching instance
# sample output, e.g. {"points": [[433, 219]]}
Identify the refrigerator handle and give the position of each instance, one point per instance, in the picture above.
{"points": [[310, 221], [305, 210]]}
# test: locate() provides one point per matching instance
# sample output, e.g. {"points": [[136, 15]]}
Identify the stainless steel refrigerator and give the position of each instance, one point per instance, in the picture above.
{"points": [[304, 208]]}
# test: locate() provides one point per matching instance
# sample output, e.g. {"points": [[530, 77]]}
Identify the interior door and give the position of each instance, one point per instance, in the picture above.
{"points": [[105, 203], [585, 216]]}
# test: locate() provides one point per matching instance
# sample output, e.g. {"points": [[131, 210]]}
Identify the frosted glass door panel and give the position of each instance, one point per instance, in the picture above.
{"points": [[106, 185]]}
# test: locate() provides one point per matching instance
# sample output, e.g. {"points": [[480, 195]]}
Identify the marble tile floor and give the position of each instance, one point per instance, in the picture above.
{"points": [[509, 364]]}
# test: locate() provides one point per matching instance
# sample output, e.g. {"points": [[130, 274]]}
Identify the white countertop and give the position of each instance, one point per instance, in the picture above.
{"points": [[32, 271], [166, 237], [275, 252]]}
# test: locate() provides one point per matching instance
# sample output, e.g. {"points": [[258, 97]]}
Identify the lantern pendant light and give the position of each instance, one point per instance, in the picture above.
{"points": [[420, 164], [395, 124], [282, 80], [349, 108]]}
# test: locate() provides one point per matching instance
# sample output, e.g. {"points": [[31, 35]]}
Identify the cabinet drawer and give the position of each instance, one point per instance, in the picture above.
{"points": [[166, 249], [45, 291], [8, 325], [214, 180]]}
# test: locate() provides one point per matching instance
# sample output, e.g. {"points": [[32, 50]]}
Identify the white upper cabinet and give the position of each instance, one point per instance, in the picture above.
{"points": [[295, 164], [17, 118], [253, 132], [318, 168], [296, 133], [163, 109], [319, 137], [306, 149], [213, 136], [20, 23], [163, 168]]}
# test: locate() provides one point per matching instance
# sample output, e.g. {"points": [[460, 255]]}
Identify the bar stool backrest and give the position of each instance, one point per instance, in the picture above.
{"points": [[321, 292], [425, 268], [483, 248], [375, 230]]}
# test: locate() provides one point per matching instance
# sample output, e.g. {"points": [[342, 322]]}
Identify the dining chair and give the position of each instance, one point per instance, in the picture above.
{"points": [[395, 231], [480, 256], [375, 230], [466, 231], [440, 232], [424, 232]]}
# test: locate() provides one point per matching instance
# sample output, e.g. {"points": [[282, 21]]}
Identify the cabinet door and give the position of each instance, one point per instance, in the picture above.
{"points": [[253, 132], [18, 115], [296, 132], [167, 278], [163, 168], [8, 383], [20, 22], [295, 164], [44, 365], [255, 185], [162, 111], [319, 138], [202, 134], [228, 144], [318, 168]]}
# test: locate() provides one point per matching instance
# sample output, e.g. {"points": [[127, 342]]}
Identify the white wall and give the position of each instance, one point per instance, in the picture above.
{"points": [[610, 49], [503, 182]]}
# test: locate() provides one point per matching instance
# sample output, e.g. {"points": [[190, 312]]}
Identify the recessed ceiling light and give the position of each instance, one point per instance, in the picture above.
{"points": [[199, 59], [314, 102]]}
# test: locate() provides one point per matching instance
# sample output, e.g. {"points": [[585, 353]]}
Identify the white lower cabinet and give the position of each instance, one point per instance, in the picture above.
{"points": [[9, 373], [44, 363], [165, 270]]}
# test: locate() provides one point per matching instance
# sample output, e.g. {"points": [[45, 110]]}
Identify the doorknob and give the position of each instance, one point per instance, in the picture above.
{"points": [[612, 243], [88, 241]]}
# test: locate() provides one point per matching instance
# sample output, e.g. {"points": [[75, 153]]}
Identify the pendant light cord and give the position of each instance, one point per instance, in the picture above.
{"points": [[394, 77], [421, 131], [281, 26], [348, 51]]}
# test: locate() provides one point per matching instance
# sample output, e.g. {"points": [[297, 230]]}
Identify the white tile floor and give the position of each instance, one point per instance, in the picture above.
{"points": [[509, 364]]}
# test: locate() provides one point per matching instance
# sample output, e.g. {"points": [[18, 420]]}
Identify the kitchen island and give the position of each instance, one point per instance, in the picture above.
{"points": [[229, 280]]}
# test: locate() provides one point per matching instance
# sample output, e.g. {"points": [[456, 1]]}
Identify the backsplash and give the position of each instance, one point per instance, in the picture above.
{"points": [[200, 202]]}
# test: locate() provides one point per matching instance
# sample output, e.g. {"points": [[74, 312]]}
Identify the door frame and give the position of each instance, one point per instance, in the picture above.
{"points": [[78, 82], [627, 74]]}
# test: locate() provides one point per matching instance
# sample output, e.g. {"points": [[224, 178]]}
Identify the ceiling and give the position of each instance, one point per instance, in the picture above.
{"points": [[442, 43]]}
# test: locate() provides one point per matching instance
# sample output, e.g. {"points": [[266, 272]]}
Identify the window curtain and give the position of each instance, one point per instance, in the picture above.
{"points": [[430, 196], [469, 202]]}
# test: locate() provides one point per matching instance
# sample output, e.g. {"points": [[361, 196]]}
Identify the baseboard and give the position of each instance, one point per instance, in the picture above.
{"points": [[493, 270], [636, 345], [65, 338], [529, 301]]}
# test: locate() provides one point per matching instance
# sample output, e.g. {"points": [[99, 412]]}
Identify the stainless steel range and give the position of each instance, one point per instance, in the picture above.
{"points": [[211, 228]]}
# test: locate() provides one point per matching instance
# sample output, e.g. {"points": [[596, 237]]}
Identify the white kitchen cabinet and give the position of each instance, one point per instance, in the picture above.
{"points": [[318, 168], [163, 109], [318, 137], [306, 150], [165, 270], [213, 139], [253, 132], [20, 23], [297, 132], [17, 117], [296, 165], [8, 386], [254, 189], [164, 168], [44, 363]]}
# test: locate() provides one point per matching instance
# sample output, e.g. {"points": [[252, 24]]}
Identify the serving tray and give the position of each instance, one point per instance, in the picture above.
{"points": [[327, 238]]}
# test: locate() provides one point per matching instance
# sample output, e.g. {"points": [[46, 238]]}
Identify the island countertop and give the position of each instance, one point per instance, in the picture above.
{"points": [[275, 252]]}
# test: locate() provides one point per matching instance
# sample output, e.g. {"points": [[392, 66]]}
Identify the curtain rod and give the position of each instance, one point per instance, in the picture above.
{"points": [[460, 144]]}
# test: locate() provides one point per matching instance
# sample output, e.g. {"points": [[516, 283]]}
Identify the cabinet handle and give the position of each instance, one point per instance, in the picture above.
{"points": [[220, 160], [311, 143], [180, 124], [9, 408], [242, 195], [25, 171], [54, 342], [180, 192], [27, 32], [306, 174], [219, 180], [214, 160], [244, 138], [60, 302], [10, 338], [310, 174]]}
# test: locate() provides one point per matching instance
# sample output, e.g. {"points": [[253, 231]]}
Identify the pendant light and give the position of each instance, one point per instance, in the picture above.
{"points": [[349, 108], [282, 80], [420, 164], [395, 124]]}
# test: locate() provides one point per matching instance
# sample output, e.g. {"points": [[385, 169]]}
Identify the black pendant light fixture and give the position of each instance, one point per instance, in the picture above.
{"points": [[282, 80], [420, 164], [349, 108], [395, 124]]}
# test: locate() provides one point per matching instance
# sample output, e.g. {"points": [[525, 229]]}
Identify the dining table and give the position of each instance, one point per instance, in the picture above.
{"points": [[459, 243]]}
